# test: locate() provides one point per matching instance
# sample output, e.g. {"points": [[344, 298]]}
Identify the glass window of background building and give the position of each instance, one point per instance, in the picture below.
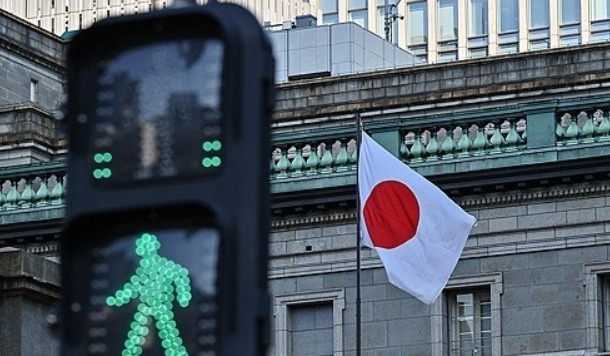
{"points": [[470, 323], [478, 20], [508, 26], [387, 15], [447, 30], [358, 12], [569, 26], [447, 20], [417, 27], [330, 11], [600, 20], [600, 9], [538, 13]]}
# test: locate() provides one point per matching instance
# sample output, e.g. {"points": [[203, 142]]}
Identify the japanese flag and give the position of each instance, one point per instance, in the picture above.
{"points": [[417, 231]]}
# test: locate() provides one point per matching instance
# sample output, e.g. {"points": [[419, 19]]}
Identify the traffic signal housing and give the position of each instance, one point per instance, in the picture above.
{"points": [[164, 249]]}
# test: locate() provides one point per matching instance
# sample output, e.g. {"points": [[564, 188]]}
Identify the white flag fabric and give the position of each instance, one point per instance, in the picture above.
{"points": [[417, 231]]}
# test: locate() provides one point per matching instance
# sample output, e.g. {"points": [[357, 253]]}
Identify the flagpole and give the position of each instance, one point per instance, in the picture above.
{"points": [[358, 245]]}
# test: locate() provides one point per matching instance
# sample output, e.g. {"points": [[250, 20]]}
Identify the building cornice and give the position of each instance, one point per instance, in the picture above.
{"points": [[473, 202]]}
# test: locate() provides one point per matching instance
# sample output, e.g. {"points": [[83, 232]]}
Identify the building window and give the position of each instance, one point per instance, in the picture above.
{"points": [[600, 9], [597, 290], [34, 91], [470, 322], [477, 28], [417, 22], [387, 19], [600, 20], [312, 321], [467, 320], [508, 26], [330, 11], [447, 30], [539, 24], [302, 317], [357, 12], [604, 281], [569, 27], [447, 20]]}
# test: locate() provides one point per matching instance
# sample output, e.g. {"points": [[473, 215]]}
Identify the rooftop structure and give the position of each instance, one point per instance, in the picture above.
{"points": [[333, 50]]}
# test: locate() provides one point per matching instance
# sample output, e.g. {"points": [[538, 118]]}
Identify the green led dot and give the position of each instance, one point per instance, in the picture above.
{"points": [[111, 301], [216, 145], [216, 161], [107, 157], [207, 146], [206, 162], [139, 317], [98, 158], [97, 174], [106, 172]]}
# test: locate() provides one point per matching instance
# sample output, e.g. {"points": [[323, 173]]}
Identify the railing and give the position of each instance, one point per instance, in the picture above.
{"points": [[468, 140], [313, 158], [44, 188], [297, 157], [582, 127]]}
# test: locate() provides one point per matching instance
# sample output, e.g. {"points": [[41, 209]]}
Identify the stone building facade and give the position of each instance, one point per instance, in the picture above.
{"points": [[32, 77], [520, 141], [532, 278]]}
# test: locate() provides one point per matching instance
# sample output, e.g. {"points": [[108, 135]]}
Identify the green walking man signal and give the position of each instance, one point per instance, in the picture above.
{"points": [[153, 284]]}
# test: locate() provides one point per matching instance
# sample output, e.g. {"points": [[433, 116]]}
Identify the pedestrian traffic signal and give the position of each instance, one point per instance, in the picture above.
{"points": [[148, 292], [165, 241]]}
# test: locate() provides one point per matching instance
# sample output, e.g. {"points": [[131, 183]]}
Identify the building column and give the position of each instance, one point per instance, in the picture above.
{"points": [[462, 15], [554, 23], [432, 26], [585, 22], [492, 8], [342, 11], [523, 26]]}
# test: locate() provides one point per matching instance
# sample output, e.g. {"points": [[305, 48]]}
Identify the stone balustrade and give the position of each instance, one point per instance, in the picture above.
{"points": [[314, 158], [464, 140], [582, 127], [26, 191]]}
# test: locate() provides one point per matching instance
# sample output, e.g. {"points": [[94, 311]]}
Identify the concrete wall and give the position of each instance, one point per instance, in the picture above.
{"points": [[28, 53], [29, 288], [454, 83]]}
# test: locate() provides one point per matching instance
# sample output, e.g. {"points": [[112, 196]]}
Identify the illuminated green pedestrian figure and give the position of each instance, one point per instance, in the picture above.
{"points": [[155, 282]]}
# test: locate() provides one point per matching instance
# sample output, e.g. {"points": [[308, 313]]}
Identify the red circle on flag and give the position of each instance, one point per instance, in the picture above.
{"points": [[391, 213]]}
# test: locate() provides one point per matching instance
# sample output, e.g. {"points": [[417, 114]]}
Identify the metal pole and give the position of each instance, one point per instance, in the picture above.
{"points": [[386, 20], [358, 244]]}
